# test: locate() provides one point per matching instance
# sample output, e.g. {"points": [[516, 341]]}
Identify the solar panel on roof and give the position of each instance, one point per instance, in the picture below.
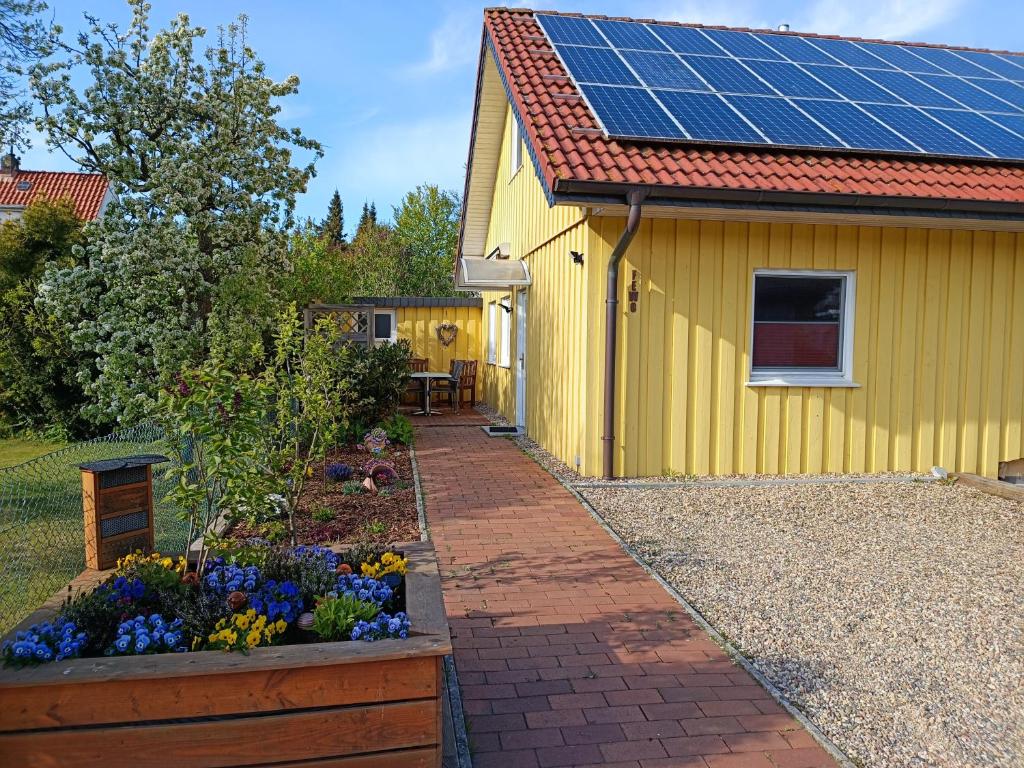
{"points": [[963, 92], [727, 75], [797, 49], [706, 116], [789, 80], [1011, 93], [901, 59], [1017, 61], [631, 112], [993, 136], [928, 134], [597, 65], [850, 53], [852, 84], [993, 63], [853, 125], [624, 34], [1013, 123], [742, 45], [948, 60], [783, 123], [773, 89], [572, 31], [663, 70], [908, 88], [686, 40]]}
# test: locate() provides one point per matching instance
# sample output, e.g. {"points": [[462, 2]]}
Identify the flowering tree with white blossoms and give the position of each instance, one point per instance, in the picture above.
{"points": [[205, 187]]}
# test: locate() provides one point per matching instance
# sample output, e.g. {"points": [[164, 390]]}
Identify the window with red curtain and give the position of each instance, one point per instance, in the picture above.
{"points": [[798, 322]]}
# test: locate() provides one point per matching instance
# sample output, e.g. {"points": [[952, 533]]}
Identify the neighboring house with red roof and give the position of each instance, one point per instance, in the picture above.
{"points": [[678, 304], [90, 192]]}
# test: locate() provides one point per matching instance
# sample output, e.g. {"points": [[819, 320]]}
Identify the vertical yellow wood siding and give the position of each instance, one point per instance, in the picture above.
{"points": [[419, 326], [543, 235], [938, 334]]}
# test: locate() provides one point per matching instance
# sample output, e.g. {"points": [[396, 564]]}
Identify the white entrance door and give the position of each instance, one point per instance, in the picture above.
{"points": [[521, 359]]}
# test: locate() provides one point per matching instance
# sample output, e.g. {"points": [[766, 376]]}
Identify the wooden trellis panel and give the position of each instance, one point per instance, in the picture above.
{"points": [[355, 321]]}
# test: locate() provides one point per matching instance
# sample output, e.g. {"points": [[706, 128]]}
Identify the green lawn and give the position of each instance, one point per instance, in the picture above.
{"points": [[15, 450]]}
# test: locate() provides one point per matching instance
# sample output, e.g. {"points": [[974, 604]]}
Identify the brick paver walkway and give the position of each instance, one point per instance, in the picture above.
{"points": [[568, 653]]}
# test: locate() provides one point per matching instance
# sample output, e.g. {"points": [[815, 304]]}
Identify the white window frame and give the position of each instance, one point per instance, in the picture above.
{"points": [[505, 340], [515, 149], [378, 340], [809, 377], [492, 333]]}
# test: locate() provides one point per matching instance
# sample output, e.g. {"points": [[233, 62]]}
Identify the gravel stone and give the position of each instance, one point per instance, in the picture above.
{"points": [[891, 614]]}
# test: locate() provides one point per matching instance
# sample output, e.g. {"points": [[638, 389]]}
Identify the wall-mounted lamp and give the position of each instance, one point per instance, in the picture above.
{"points": [[506, 307], [500, 251], [577, 257]]}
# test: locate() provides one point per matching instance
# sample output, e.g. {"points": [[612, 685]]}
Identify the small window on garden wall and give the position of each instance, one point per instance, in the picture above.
{"points": [[516, 148], [802, 331], [492, 332], [384, 325]]}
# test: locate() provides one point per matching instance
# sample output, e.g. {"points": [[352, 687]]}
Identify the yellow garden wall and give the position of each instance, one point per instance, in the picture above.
{"points": [[938, 333], [419, 326]]}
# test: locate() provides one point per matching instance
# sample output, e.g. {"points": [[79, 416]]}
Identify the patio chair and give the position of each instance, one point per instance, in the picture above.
{"points": [[414, 389], [449, 388], [468, 382]]}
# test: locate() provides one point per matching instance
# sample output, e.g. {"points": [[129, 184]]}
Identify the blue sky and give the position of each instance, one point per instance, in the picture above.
{"points": [[387, 87]]}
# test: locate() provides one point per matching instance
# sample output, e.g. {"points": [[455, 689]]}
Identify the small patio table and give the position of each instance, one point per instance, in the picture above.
{"points": [[427, 377]]}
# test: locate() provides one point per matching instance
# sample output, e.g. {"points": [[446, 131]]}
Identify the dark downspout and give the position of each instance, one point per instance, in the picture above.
{"points": [[611, 303]]}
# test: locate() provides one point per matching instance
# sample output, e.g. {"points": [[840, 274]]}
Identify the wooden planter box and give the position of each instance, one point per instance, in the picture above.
{"points": [[351, 704]]}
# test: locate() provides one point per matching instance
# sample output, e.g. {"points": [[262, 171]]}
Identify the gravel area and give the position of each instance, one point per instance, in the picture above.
{"points": [[891, 614]]}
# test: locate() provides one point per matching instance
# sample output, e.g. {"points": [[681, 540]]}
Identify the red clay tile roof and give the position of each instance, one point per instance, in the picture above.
{"points": [[85, 190], [569, 144]]}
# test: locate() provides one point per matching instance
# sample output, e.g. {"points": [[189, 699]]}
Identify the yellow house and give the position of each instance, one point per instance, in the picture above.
{"points": [[713, 301]]}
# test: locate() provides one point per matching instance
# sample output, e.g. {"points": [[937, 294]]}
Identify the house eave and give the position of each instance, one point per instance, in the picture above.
{"points": [[896, 210]]}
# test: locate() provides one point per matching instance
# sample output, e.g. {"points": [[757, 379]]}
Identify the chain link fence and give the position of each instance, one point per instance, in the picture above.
{"points": [[42, 540]]}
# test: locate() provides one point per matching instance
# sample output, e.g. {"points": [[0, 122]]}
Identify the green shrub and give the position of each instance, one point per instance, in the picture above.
{"points": [[334, 617], [39, 388], [215, 420], [399, 429], [377, 377]]}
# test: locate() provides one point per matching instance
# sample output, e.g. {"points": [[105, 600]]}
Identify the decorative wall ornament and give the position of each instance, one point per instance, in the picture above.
{"points": [[446, 333]]}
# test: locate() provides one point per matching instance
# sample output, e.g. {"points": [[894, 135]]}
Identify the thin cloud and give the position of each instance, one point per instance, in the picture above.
{"points": [[452, 45], [895, 20]]}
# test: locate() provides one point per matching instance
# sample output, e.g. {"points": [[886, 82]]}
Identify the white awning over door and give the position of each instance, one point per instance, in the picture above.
{"points": [[479, 274]]}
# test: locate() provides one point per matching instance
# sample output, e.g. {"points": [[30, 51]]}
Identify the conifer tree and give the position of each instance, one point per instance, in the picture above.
{"points": [[367, 219], [333, 227]]}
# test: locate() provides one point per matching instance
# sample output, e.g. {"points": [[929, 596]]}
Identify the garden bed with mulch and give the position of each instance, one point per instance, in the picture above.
{"points": [[345, 512]]}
